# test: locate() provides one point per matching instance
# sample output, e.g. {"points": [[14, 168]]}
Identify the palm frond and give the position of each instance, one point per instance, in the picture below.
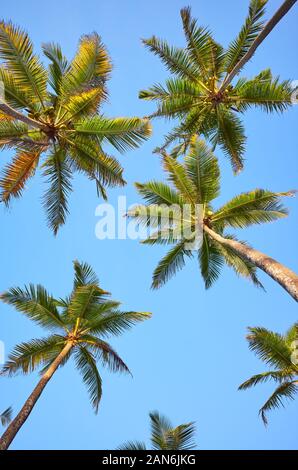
{"points": [[160, 428], [132, 445], [182, 437], [17, 52], [254, 207], [58, 174], [86, 365], [114, 322], [175, 59], [248, 33], [84, 275], [173, 261], [155, 192], [203, 170], [276, 376], [201, 47], [121, 133], [14, 94], [26, 357], [176, 174], [36, 303], [90, 67], [286, 391], [57, 67], [211, 261], [16, 174], [230, 137], [270, 347], [103, 352]]}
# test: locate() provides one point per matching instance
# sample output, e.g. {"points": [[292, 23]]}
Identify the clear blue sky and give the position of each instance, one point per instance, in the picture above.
{"points": [[190, 358]]}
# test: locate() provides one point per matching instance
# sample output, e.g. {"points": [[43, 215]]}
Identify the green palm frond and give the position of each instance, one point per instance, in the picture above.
{"points": [[203, 170], [58, 65], [270, 347], [276, 376], [156, 192], [182, 437], [17, 52], [26, 357], [286, 391], [270, 95], [175, 59], [160, 428], [248, 33], [36, 303], [241, 266], [230, 137], [90, 67], [86, 365], [58, 174], [84, 274], [132, 445], [254, 207], [103, 352], [201, 47], [172, 262], [114, 322], [177, 175], [15, 95], [121, 133], [211, 262]]}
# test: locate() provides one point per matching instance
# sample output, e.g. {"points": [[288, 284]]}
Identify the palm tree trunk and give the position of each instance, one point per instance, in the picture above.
{"points": [[20, 419], [285, 7], [279, 273], [6, 109]]}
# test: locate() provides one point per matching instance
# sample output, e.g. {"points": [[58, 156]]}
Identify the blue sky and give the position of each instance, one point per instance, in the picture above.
{"points": [[189, 359]]}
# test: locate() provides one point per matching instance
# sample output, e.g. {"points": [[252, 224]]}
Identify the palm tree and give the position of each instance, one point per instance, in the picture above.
{"points": [[78, 325], [277, 351], [5, 417], [200, 94], [164, 436], [52, 118], [181, 214]]}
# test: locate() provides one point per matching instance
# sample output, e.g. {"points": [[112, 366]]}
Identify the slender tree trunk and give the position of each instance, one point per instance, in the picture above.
{"points": [[285, 7], [279, 273], [20, 419], [5, 108]]}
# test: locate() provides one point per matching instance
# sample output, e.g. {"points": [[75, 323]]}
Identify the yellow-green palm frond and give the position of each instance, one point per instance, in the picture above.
{"points": [[17, 52]]}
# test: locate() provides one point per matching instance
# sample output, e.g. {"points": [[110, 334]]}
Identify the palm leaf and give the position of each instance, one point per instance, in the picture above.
{"points": [[36, 303], [57, 67], [17, 51], [58, 174], [248, 33], [86, 365], [286, 391], [17, 173], [121, 133], [26, 357], [169, 265], [211, 261]]}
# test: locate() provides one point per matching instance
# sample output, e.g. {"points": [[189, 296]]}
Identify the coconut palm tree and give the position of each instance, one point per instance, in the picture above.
{"points": [[78, 325], [164, 436], [200, 95], [280, 353], [52, 118], [5, 417], [181, 213]]}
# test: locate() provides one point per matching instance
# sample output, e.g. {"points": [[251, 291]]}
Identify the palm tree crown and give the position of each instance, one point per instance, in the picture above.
{"points": [[276, 351], [193, 183], [81, 321], [164, 436], [55, 114], [197, 94]]}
